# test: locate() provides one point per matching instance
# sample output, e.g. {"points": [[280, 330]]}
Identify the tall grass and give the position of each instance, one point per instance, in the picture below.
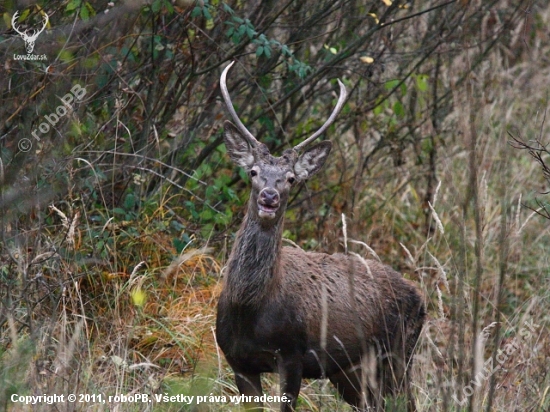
{"points": [[141, 320]]}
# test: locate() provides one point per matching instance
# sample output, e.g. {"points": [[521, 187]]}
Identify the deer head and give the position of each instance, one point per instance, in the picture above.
{"points": [[273, 177], [29, 39]]}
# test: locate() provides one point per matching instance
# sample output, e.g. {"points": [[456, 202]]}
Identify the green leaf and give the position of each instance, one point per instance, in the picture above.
{"points": [[224, 218], [180, 244], [119, 211], [422, 82], [157, 5], [230, 193], [191, 208], [26, 13], [259, 51], [381, 105], [227, 9], [398, 109], [72, 5], [130, 201], [197, 11], [207, 214], [210, 191], [206, 230], [250, 32], [90, 62], [391, 84], [243, 174], [66, 56], [84, 13], [169, 7]]}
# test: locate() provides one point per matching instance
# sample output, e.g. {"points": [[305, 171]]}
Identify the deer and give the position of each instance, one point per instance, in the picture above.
{"points": [[29, 39], [308, 314]]}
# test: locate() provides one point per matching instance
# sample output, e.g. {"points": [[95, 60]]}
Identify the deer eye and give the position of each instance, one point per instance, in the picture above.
{"points": [[253, 173], [291, 180]]}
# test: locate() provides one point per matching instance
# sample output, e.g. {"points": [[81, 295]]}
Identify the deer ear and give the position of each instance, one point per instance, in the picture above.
{"points": [[311, 161], [237, 147]]}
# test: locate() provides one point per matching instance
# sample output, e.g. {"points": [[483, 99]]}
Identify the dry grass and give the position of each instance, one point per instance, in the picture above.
{"points": [[142, 320]]}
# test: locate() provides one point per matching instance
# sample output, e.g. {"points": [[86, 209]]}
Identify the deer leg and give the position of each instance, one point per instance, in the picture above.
{"points": [[395, 380], [395, 371], [349, 387], [398, 385], [290, 376], [250, 385], [355, 392]]}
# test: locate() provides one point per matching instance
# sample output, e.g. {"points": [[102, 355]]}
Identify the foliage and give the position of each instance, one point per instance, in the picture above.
{"points": [[109, 200]]}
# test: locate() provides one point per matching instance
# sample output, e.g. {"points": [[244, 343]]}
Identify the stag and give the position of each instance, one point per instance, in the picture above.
{"points": [[302, 314], [29, 39]]}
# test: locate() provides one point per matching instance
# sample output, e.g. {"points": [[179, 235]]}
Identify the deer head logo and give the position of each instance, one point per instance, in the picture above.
{"points": [[28, 38]]}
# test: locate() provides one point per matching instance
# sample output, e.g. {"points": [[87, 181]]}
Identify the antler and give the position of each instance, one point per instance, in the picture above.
{"points": [[339, 105], [46, 20], [13, 19], [225, 93], [252, 140], [24, 34]]}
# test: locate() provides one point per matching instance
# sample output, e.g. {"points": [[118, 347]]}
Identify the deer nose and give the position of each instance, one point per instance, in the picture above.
{"points": [[269, 197]]}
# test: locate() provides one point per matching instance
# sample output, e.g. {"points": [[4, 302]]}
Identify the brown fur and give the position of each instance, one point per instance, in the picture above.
{"points": [[312, 315]]}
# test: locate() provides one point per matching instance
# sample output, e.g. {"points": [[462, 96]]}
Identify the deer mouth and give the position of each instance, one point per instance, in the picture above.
{"points": [[267, 211]]}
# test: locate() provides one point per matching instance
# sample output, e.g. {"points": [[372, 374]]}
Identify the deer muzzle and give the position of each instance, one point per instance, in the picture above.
{"points": [[268, 203]]}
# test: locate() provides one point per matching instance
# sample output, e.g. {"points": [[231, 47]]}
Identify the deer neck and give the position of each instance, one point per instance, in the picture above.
{"points": [[253, 267]]}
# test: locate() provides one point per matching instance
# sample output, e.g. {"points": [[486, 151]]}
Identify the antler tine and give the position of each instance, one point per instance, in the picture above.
{"points": [[36, 32], [46, 20], [13, 19], [339, 105], [225, 93]]}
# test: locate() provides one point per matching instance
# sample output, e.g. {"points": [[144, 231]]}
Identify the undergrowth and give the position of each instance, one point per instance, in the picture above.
{"points": [[117, 297]]}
